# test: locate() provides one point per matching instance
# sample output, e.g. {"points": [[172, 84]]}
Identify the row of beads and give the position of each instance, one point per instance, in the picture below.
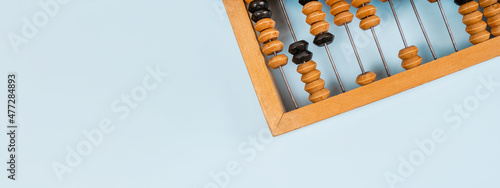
{"points": [[366, 13], [316, 19], [492, 12], [315, 86], [473, 18], [268, 36]]}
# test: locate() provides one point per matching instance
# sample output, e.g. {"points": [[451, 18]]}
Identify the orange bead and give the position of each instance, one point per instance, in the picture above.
{"points": [[272, 47], [479, 37], [359, 3], [365, 11], [319, 95], [476, 27], [343, 18], [468, 7], [472, 17], [319, 27], [332, 2], [411, 62], [369, 22], [312, 6], [408, 52], [486, 3], [339, 7], [277, 61], [264, 24], [311, 76], [494, 20], [306, 67], [365, 79], [268, 35], [315, 85], [315, 17], [492, 10]]}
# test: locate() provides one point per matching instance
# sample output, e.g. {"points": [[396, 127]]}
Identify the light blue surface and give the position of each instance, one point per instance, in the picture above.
{"points": [[204, 119]]}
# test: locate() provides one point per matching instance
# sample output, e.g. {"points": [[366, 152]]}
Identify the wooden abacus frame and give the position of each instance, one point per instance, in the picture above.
{"points": [[280, 121]]}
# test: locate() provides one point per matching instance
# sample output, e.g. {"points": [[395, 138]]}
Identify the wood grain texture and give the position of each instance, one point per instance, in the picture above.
{"points": [[261, 77], [280, 122]]}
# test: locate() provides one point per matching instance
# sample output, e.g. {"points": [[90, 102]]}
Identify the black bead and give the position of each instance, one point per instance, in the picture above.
{"points": [[261, 14], [304, 2], [323, 38], [461, 2], [257, 5], [297, 47], [302, 57]]}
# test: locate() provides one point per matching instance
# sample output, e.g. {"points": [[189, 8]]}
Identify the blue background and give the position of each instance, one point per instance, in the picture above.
{"points": [[204, 116]]}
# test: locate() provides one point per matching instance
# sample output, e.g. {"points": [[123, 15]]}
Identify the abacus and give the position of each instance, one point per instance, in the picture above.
{"points": [[258, 39]]}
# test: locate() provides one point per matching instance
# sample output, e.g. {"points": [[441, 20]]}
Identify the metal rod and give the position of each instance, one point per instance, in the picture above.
{"points": [[447, 25], [399, 24], [354, 48], [288, 87], [288, 20], [380, 52], [423, 29], [335, 68]]}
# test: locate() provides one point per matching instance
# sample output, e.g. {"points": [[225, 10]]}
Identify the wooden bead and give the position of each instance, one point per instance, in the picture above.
{"points": [[476, 27], [319, 95], [359, 3], [315, 17], [408, 52], [486, 3], [272, 47], [312, 6], [264, 24], [268, 35], [473, 17], [332, 2], [319, 27], [468, 8], [411, 62], [432, 1], [311, 76], [277, 61], [249, 1], [366, 11], [339, 7], [494, 20], [306, 67], [383, 1], [315, 85], [369, 22], [365, 79], [495, 31], [479, 37], [343, 18], [492, 10]]}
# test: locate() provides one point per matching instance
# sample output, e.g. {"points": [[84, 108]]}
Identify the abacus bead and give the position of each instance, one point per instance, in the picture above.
{"points": [[343, 18], [383, 1], [319, 95], [494, 20], [302, 57], [297, 47], [264, 24], [461, 2], [479, 37], [468, 7], [304, 2], [366, 11], [492, 10], [359, 3], [261, 14], [311, 76], [339, 7], [476, 27], [485, 3], [495, 31], [277, 61], [411, 62], [319, 27], [365, 79], [323, 38], [408, 52], [315, 17], [369, 22], [312, 6], [432, 1], [257, 5], [272, 47], [268, 35], [315, 85], [306, 67], [332, 2], [249, 1], [473, 17]]}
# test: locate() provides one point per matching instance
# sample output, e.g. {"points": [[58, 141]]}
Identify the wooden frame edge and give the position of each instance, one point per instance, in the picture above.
{"points": [[388, 86]]}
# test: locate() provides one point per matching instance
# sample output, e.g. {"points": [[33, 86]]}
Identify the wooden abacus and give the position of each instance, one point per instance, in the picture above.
{"points": [[324, 106]]}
